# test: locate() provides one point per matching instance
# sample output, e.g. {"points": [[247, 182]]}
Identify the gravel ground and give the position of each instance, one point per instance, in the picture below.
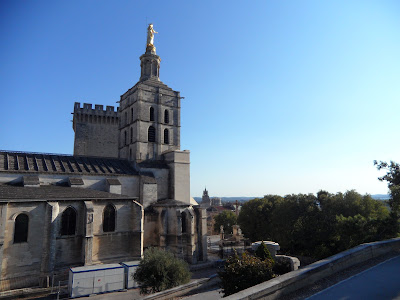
{"points": [[335, 278]]}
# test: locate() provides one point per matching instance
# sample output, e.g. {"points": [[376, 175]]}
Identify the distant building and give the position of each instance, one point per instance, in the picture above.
{"points": [[205, 199], [216, 201]]}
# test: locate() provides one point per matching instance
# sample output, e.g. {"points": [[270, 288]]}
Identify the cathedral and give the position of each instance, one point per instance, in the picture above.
{"points": [[125, 188]]}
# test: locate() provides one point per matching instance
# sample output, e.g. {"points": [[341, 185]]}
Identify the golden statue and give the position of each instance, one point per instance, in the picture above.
{"points": [[150, 35]]}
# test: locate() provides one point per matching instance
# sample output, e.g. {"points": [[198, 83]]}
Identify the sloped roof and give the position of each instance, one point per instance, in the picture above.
{"points": [[193, 202], [151, 82], [30, 162], [113, 181], [51, 192], [170, 202], [155, 83]]}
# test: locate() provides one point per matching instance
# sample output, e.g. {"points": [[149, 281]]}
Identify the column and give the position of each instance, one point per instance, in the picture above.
{"points": [[88, 239], [3, 223], [51, 230]]}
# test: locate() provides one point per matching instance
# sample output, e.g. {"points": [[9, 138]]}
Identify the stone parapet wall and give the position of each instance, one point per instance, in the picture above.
{"points": [[306, 276]]}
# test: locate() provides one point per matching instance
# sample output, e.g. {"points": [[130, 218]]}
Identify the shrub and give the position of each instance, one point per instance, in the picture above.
{"points": [[160, 270], [262, 252], [281, 267], [240, 273]]}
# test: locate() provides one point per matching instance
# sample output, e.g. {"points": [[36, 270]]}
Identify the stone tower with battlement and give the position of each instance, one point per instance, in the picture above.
{"points": [[149, 115], [96, 130]]}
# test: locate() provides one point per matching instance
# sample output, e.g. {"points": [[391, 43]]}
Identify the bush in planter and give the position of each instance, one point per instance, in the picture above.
{"points": [[240, 273], [159, 270]]}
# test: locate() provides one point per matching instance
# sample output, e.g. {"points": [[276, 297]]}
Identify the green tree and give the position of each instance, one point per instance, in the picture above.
{"points": [[392, 177], [227, 218], [255, 217], [316, 226], [160, 270], [240, 273]]}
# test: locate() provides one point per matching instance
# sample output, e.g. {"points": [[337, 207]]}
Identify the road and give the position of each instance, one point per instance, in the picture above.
{"points": [[379, 282]]}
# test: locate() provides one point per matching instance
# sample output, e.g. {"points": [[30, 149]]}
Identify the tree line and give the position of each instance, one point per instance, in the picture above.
{"points": [[321, 225]]}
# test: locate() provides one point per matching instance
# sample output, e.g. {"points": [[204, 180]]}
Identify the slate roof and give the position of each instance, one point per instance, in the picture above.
{"points": [[51, 192], [170, 202], [153, 83], [45, 163]]}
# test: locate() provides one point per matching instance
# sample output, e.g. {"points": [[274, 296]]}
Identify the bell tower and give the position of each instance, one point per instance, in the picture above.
{"points": [[150, 64], [149, 112]]}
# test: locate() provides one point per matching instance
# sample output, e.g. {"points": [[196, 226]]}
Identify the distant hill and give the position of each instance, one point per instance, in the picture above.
{"points": [[381, 197], [229, 199], [244, 199]]}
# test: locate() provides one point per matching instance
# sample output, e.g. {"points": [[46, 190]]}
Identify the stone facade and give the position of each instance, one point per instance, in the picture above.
{"points": [[47, 251]]}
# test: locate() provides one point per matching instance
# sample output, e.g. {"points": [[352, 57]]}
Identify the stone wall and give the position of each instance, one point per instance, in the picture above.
{"points": [[96, 130], [163, 184], [21, 259], [68, 249], [47, 251], [179, 163]]}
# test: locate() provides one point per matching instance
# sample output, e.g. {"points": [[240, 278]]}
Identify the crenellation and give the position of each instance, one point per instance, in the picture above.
{"points": [[98, 110], [87, 106]]}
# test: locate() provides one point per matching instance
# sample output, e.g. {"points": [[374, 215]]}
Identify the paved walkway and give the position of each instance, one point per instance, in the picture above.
{"points": [[379, 282], [214, 293]]}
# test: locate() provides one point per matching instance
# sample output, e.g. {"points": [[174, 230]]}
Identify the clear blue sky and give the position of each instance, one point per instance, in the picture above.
{"points": [[280, 96]]}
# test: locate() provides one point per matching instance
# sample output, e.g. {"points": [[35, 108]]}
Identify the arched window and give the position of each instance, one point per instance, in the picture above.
{"points": [[125, 139], [131, 135], [166, 117], [166, 136], [152, 134], [183, 215], [109, 218], [132, 114], [21, 228], [126, 118], [68, 222], [151, 114]]}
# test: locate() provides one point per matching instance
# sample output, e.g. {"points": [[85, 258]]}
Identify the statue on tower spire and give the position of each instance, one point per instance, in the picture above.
{"points": [[150, 39], [150, 61]]}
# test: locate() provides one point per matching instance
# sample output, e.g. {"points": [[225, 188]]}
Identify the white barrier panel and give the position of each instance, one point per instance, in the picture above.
{"points": [[130, 269], [84, 281]]}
